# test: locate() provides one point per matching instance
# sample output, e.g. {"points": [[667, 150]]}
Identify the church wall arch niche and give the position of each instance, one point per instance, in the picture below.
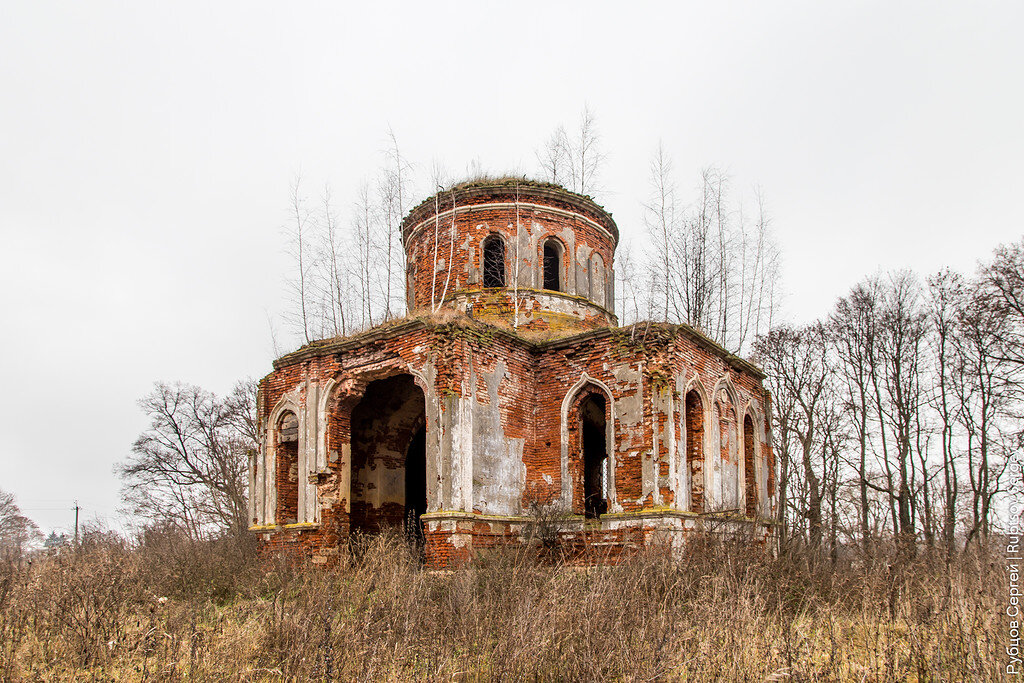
{"points": [[597, 280], [286, 468], [725, 469], [750, 488], [693, 411], [388, 486]]}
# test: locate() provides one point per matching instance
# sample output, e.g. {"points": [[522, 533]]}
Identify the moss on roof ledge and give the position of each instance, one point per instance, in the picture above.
{"points": [[510, 181], [507, 185], [641, 334]]}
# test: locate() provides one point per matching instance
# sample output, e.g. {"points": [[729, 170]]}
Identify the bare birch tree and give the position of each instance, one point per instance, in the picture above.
{"points": [[574, 161], [299, 246], [365, 227], [447, 265], [628, 286], [663, 229], [334, 282], [708, 267], [757, 298], [393, 194], [553, 158], [587, 156]]}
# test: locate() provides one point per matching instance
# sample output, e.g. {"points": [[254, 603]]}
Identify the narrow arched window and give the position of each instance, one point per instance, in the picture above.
{"points": [[749, 467], [595, 454], [287, 479], [695, 449], [494, 262], [552, 266]]}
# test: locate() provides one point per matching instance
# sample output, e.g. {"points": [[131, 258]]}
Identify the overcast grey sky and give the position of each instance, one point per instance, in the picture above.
{"points": [[146, 154]]}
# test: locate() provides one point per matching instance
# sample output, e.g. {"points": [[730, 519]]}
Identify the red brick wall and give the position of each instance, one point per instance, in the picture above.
{"points": [[536, 380]]}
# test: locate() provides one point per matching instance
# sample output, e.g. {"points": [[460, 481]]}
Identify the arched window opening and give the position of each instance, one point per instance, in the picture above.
{"points": [[594, 445], [749, 468], [552, 266], [494, 262], [695, 449], [287, 475], [254, 469]]}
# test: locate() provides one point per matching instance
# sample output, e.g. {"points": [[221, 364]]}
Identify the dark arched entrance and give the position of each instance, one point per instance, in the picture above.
{"points": [[389, 457]]}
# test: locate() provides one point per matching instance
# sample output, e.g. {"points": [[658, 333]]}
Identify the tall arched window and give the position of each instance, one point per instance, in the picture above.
{"points": [[749, 467], [552, 265], [695, 449], [287, 479], [494, 261], [594, 454]]}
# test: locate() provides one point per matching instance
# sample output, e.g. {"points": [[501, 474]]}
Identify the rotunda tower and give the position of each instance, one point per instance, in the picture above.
{"points": [[513, 252]]}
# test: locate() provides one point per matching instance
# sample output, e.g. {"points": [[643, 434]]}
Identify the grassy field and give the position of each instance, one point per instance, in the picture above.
{"points": [[162, 608]]}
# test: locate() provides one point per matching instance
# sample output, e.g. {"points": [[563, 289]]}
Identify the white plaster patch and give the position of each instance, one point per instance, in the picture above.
{"points": [[499, 473], [628, 409]]}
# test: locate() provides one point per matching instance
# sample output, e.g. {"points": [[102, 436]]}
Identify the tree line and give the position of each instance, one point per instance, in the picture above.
{"points": [[895, 416]]}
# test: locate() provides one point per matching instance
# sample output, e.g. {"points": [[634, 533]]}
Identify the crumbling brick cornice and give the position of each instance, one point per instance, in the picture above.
{"points": [[639, 334], [470, 193]]}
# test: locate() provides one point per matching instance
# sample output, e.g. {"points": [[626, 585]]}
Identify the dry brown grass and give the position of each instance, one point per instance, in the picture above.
{"points": [[721, 612]]}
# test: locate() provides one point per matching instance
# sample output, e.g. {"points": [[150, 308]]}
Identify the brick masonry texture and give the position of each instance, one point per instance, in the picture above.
{"points": [[494, 380]]}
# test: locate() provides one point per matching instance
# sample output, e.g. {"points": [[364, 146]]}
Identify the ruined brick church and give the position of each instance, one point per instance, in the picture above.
{"points": [[507, 387]]}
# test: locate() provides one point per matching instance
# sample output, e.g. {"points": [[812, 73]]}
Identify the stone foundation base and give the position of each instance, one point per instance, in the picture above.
{"points": [[453, 539]]}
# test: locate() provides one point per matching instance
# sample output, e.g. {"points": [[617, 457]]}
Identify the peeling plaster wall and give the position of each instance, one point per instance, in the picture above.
{"points": [[664, 448], [680, 478], [634, 475], [536, 309], [498, 469], [726, 464], [582, 258], [498, 435]]}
